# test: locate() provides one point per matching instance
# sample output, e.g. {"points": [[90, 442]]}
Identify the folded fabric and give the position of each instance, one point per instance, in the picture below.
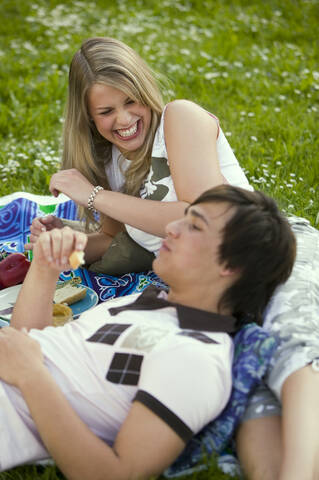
{"points": [[254, 349]]}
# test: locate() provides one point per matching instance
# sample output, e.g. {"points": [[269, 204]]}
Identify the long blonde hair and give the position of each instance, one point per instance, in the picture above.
{"points": [[115, 64]]}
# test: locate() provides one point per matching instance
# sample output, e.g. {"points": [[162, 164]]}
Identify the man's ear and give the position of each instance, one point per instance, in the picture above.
{"points": [[228, 272]]}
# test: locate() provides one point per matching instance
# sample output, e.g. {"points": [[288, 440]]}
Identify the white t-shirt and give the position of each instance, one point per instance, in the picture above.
{"points": [[104, 361]]}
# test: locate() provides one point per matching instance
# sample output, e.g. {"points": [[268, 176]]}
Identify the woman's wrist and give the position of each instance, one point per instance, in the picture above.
{"points": [[91, 199]]}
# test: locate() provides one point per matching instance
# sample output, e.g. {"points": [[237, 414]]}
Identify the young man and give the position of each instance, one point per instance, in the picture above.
{"points": [[142, 377]]}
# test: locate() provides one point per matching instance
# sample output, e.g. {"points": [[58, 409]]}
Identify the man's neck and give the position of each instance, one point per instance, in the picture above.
{"points": [[202, 300]]}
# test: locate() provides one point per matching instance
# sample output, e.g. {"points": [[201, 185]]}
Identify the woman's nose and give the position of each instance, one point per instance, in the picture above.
{"points": [[124, 118]]}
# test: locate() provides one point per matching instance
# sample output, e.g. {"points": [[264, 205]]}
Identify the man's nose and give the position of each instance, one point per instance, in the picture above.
{"points": [[173, 228]]}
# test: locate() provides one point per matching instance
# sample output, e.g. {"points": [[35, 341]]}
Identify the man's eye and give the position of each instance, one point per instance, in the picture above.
{"points": [[193, 226]]}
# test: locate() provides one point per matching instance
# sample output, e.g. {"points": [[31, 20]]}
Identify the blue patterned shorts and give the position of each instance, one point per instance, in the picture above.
{"points": [[293, 316]]}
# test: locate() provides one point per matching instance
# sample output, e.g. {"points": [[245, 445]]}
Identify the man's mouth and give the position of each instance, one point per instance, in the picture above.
{"points": [[128, 133], [165, 246]]}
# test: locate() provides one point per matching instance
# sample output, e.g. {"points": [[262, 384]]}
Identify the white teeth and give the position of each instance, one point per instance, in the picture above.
{"points": [[128, 132]]}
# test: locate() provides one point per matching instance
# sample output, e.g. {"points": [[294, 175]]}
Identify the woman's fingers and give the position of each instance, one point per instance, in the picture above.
{"points": [[73, 184]]}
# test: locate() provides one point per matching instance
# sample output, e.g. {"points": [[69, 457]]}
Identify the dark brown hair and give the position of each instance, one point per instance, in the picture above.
{"points": [[259, 243]]}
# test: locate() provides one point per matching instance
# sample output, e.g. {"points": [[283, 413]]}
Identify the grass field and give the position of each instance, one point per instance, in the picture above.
{"points": [[252, 63]]}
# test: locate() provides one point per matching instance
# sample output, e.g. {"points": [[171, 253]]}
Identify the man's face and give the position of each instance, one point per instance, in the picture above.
{"points": [[190, 251]]}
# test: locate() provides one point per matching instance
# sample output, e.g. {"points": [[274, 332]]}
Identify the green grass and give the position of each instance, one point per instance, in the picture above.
{"points": [[252, 63]]}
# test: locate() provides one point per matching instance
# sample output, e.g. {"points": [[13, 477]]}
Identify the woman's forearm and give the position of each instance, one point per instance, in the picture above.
{"points": [[97, 245], [151, 216]]}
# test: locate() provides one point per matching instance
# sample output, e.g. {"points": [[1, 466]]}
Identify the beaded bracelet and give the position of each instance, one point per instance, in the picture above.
{"points": [[92, 198]]}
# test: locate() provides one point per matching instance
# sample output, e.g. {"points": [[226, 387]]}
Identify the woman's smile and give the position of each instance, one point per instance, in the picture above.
{"points": [[129, 133]]}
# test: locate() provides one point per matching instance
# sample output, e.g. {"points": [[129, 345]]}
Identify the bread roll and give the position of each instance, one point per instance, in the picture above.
{"points": [[76, 259], [69, 294]]}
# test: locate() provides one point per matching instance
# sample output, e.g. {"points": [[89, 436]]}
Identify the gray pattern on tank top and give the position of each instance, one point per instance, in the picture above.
{"points": [[153, 188]]}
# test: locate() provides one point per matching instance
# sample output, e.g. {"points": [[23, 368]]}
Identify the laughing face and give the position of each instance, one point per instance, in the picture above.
{"points": [[118, 118]]}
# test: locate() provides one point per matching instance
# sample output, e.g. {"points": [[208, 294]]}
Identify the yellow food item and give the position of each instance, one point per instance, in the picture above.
{"points": [[76, 259], [61, 314]]}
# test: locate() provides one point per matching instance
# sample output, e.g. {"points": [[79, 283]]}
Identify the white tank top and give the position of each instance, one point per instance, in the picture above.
{"points": [[159, 185]]}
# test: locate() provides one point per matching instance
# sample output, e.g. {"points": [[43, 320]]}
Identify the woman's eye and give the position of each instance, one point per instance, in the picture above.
{"points": [[106, 112], [129, 102]]}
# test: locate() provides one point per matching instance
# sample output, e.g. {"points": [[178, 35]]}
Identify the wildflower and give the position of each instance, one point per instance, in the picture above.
{"points": [[211, 75]]}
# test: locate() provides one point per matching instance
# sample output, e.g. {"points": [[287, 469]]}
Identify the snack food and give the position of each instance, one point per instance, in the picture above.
{"points": [[69, 294], [76, 259], [61, 314]]}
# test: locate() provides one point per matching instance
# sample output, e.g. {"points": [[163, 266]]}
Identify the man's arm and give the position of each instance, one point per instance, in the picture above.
{"points": [[33, 308], [145, 445]]}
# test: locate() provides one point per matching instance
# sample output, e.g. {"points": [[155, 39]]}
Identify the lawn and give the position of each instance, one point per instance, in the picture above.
{"points": [[252, 63]]}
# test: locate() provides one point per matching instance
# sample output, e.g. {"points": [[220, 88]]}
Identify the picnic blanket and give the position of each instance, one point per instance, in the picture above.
{"points": [[16, 214], [254, 347]]}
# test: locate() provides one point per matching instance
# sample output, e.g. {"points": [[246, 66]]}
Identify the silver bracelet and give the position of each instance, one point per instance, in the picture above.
{"points": [[92, 198]]}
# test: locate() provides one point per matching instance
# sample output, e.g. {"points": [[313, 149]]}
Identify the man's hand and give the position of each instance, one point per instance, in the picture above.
{"points": [[20, 356], [33, 308], [53, 248], [42, 224]]}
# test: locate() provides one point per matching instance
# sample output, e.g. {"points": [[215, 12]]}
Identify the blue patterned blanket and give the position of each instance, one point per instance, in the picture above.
{"points": [[16, 214], [253, 346]]}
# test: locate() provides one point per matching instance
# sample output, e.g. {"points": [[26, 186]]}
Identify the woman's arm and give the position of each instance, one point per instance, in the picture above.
{"points": [[97, 242], [145, 445], [190, 135]]}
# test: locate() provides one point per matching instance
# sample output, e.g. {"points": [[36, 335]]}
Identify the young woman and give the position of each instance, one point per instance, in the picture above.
{"points": [[135, 161]]}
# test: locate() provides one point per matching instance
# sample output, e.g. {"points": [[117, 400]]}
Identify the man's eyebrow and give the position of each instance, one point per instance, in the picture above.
{"points": [[196, 214]]}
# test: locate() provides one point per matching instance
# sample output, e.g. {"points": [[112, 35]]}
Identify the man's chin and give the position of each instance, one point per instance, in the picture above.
{"points": [[156, 265]]}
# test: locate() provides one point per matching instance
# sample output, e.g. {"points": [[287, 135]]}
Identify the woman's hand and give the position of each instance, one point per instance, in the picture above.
{"points": [[73, 184], [20, 356], [42, 224], [53, 248]]}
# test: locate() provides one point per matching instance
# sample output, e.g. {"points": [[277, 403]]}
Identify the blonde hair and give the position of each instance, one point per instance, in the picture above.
{"points": [[110, 62]]}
